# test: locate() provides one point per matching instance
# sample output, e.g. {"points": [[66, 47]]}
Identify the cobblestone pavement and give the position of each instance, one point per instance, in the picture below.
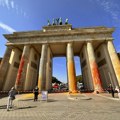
{"points": [[61, 106]]}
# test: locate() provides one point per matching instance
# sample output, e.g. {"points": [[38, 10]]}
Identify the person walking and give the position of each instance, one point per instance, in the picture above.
{"points": [[118, 91], [11, 97], [36, 92], [111, 90]]}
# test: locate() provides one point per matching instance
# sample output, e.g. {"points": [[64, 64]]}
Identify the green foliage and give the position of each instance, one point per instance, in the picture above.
{"points": [[79, 78], [55, 80]]}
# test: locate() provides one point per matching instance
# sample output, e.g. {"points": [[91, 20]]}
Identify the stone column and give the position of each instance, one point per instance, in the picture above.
{"points": [[49, 71], [71, 69], [31, 75], [42, 68], [13, 69], [28, 81], [19, 84], [94, 68], [86, 69], [111, 76], [4, 66], [114, 59]]}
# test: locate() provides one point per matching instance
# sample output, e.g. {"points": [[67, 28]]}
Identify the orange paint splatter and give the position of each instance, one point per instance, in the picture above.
{"points": [[20, 71], [96, 77], [72, 77]]}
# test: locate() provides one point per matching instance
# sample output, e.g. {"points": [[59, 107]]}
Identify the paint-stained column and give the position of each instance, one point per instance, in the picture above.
{"points": [[49, 70], [111, 76], [71, 69], [32, 70], [88, 83], [4, 66], [19, 84], [114, 59], [94, 68], [13, 69], [42, 68]]}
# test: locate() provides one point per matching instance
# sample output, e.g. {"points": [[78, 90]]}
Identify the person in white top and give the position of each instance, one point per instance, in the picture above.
{"points": [[11, 97], [118, 91]]}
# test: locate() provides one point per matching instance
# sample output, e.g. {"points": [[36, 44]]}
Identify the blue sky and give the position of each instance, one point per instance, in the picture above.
{"points": [[27, 15]]}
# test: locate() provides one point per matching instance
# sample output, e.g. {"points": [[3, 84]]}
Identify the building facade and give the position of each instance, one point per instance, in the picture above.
{"points": [[27, 61]]}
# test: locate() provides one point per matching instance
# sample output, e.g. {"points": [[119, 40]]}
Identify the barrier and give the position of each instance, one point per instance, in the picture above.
{"points": [[44, 95]]}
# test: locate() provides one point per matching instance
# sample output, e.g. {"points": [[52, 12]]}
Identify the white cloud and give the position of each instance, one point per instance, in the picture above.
{"points": [[111, 7], [6, 28], [10, 4], [5, 3]]}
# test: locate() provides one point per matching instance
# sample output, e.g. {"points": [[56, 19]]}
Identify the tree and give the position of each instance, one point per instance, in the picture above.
{"points": [[79, 78], [55, 80]]}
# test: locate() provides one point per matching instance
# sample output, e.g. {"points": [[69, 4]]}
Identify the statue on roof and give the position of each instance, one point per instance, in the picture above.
{"points": [[57, 21], [48, 22], [60, 21], [53, 23], [66, 21]]}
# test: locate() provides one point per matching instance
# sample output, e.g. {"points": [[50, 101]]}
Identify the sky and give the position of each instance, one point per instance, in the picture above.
{"points": [[29, 15]]}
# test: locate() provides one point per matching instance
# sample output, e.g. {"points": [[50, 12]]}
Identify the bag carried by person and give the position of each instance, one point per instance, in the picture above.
{"points": [[13, 98]]}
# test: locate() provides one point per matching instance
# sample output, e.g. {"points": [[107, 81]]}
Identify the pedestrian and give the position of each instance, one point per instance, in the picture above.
{"points": [[36, 92], [108, 89], [118, 91], [111, 90], [11, 97]]}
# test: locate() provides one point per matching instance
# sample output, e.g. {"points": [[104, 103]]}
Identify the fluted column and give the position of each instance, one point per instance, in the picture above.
{"points": [[31, 75], [13, 68], [114, 59], [94, 68], [49, 71], [86, 69], [111, 76], [4, 66], [42, 68], [19, 84], [71, 69]]}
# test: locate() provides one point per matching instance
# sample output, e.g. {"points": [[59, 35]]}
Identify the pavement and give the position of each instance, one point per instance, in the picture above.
{"points": [[62, 106]]}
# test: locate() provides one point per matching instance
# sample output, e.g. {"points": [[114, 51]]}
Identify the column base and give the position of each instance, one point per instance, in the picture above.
{"points": [[18, 88], [98, 91], [73, 92]]}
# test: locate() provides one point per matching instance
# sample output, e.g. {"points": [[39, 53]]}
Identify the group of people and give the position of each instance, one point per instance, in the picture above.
{"points": [[112, 91], [13, 92]]}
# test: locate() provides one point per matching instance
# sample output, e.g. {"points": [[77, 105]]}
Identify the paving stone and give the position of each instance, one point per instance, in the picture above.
{"points": [[60, 107]]}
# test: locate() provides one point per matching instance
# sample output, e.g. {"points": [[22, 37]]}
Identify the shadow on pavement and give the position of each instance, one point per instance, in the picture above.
{"points": [[26, 107], [3, 95], [25, 99], [51, 100], [17, 108], [3, 106]]}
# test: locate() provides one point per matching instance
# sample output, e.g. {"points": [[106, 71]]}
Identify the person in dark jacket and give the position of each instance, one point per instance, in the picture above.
{"points": [[36, 92], [11, 97], [111, 90]]}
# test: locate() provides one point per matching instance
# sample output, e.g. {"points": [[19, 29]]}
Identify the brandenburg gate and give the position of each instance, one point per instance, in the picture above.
{"points": [[27, 61]]}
